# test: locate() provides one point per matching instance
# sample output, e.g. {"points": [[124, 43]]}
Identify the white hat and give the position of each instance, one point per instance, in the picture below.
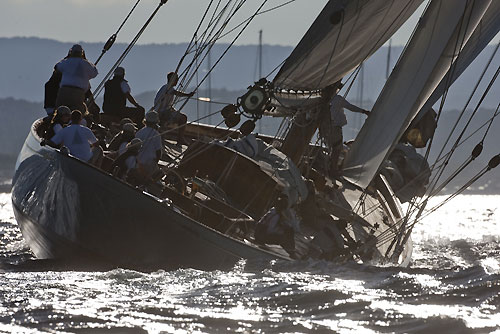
{"points": [[152, 117], [136, 142], [63, 110], [129, 127]]}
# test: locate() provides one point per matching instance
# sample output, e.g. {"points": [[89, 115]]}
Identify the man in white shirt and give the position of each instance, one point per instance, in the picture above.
{"points": [[79, 139], [76, 72], [164, 105], [338, 119], [116, 93], [152, 147]]}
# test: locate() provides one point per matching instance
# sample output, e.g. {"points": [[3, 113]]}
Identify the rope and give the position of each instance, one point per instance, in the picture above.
{"points": [[99, 88], [112, 39]]}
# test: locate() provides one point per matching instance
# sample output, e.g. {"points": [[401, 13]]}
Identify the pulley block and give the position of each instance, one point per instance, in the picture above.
{"points": [[255, 100], [247, 127]]}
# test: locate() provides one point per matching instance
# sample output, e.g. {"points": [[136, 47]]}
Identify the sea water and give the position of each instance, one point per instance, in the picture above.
{"points": [[452, 286]]}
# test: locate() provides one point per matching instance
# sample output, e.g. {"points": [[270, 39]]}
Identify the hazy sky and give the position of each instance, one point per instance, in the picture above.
{"points": [[96, 20]]}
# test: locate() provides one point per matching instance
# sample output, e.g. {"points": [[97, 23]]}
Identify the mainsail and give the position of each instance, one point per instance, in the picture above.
{"points": [[445, 27], [486, 30], [345, 34]]}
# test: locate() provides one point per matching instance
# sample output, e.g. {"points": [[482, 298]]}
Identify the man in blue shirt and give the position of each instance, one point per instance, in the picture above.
{"points": [[76, 72], [79, 139]]}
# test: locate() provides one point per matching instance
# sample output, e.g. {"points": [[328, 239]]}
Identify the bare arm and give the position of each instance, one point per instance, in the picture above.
{"points": [[183, 94], [131, 99], [354, 108]]}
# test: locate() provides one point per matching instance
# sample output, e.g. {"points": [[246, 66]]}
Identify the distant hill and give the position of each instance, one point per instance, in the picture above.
{"points": [[26, 64]]}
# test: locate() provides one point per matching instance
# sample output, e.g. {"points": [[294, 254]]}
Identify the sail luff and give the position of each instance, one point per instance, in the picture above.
{"points": [[342, 37], [423, 64]]}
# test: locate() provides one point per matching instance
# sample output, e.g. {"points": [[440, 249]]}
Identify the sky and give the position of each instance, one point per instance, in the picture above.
{"points": [[96, 20]]}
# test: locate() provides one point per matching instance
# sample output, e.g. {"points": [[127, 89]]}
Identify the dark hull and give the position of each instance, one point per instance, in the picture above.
{"points": [[67, 209]]}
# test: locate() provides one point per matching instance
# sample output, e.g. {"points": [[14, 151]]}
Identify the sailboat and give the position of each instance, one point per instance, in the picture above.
{"points": [[204, 211]]}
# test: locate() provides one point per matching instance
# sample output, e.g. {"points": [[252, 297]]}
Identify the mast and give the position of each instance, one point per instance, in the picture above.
{"points": [[260, 69], [388, 68], [360, 97], [209, 86], [260, 54]]}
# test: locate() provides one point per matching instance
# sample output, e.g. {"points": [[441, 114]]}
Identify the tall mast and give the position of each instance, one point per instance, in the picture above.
{"points": [[388, 60], [260, 54], [209, 84], [260, 70], [360, 95]]}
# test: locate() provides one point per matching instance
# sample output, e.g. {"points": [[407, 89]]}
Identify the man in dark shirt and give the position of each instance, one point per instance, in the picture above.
{"points": [[116, 93]]}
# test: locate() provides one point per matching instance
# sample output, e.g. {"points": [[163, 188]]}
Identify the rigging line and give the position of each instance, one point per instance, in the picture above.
{"points": [[213, 22], [463, 188], [210, 41], [469, 160], [227, 49], [259, 13], [215, 19], [373, 208], [435, 165], [275, 69], [206, 36], [449, 78], [112, 39], [470, 97], [451, 71], [459, 43], [195, 35], [492, 81], [490, 123], [231, 14], [127, 50], [492, 164]]}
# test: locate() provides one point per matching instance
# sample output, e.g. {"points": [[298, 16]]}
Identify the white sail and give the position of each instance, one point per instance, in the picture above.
{"points": [[343, 36], [445, 25], [486, 30]]}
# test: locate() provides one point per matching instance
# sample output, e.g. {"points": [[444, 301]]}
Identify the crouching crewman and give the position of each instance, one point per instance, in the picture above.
{"points": [[80, 141]]}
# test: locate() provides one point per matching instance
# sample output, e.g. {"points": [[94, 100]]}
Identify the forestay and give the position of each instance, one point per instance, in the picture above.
{"points": [[486, 30], [445, 26], [345, 33]]}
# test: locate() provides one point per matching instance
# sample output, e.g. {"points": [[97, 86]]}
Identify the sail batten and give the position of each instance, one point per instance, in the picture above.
{"points": [[342, 37], [445, 25]]}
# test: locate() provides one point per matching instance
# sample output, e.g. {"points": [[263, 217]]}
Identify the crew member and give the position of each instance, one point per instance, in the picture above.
{"points": [[116, 93], [152, 147], [127, 160], [51, 89], [163, 104], [338, 119], [79, 139], [76, 72], [275, 227], [123, 137], [60, 120]]}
